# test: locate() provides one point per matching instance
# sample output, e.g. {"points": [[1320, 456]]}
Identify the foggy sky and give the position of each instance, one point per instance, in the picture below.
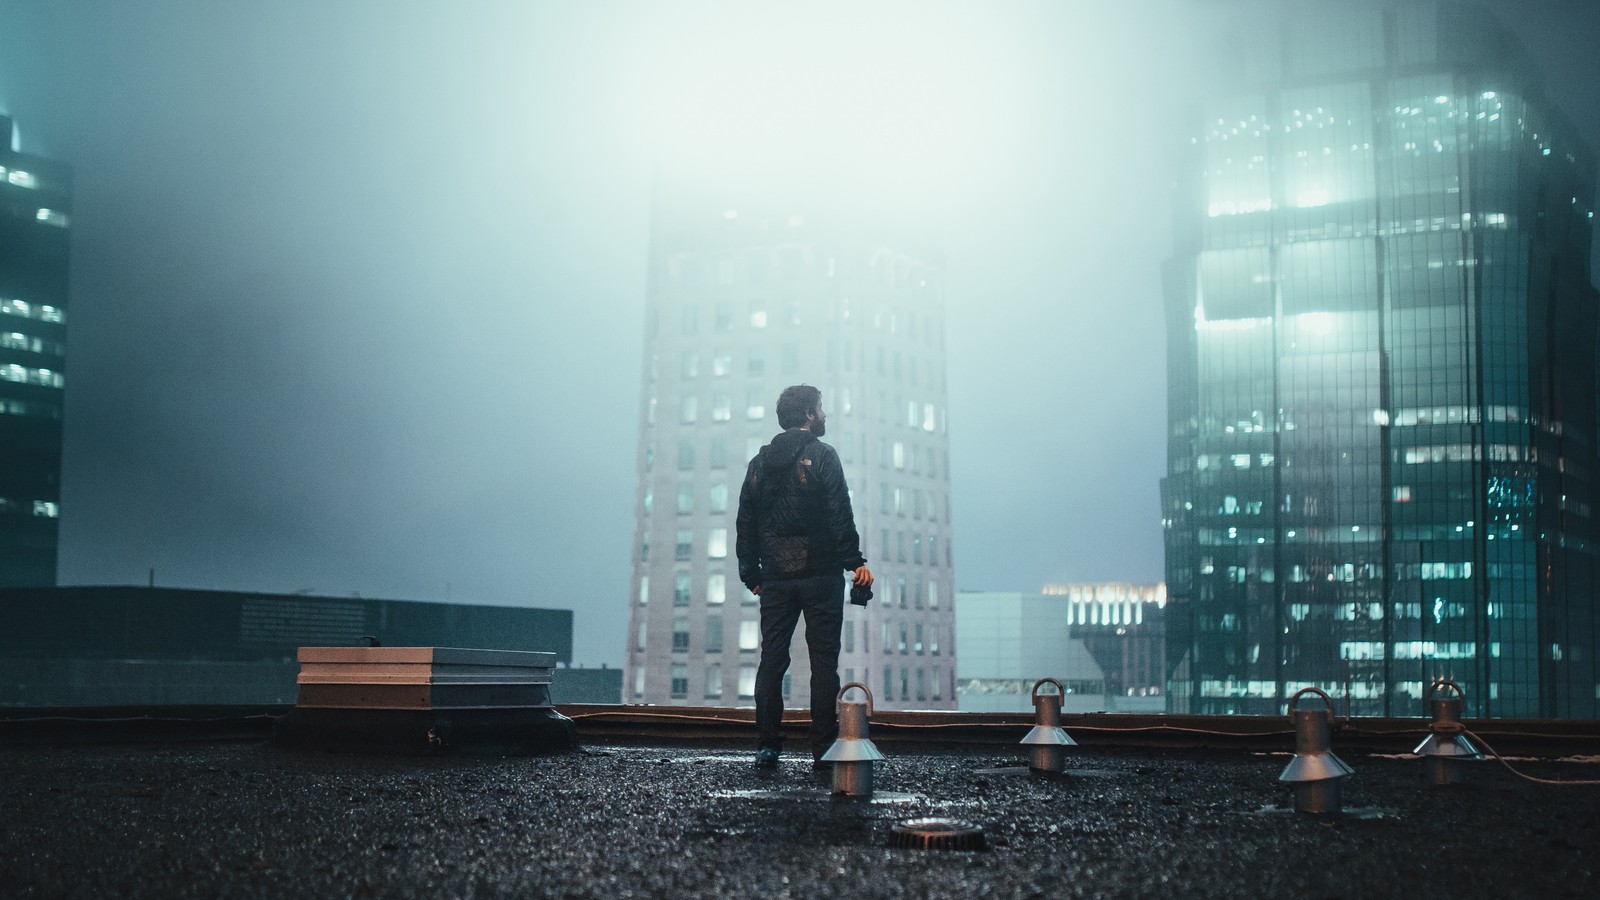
{"points": [[358, 287]]}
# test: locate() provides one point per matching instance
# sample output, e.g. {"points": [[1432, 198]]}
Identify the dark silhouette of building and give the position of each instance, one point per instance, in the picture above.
{"points": [[116, 646], [1382, 379], [35, 212]]}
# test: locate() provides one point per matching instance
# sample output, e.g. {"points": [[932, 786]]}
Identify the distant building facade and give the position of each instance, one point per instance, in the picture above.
{"points": [[744, 300], [1382, 380], [1124, 627], [116, 646], [35, 212], [1103, 642]]}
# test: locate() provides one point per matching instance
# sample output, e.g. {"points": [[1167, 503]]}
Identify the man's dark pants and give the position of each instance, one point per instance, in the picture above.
{"points": [[821, 600]]}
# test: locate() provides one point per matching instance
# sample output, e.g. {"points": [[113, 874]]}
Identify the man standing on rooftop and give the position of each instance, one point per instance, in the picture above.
{"points": [[796, 534]]}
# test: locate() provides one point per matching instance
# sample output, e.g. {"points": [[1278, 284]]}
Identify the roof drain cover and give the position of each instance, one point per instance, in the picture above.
{"points": [[936, 834]]}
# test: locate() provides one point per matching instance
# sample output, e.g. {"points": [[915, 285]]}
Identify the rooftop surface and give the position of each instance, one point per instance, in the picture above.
{"points": [[244, 819]]}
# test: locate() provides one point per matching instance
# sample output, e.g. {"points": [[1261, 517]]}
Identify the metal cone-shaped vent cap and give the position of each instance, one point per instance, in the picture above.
{"points": [[1456, 746], [1315, 767], [1049, 736], [846, 750], [936, 834]]}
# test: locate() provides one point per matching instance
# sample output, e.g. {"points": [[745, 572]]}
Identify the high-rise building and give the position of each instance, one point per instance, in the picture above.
{"points": [[1382, 379], [748, 296], [35, 210]]}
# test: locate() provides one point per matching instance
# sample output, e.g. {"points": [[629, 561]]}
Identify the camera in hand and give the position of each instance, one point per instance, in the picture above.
{"points": [[860, 594]]}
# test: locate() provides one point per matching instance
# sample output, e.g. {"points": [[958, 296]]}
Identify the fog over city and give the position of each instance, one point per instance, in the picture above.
{"points": [[358, 288]]}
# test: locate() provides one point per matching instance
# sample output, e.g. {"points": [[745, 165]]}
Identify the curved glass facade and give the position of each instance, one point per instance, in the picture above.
{"points": [[1382, 337]]}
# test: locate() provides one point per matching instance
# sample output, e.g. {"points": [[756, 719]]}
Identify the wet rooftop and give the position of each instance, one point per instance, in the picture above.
{"points": [[240, 818]]}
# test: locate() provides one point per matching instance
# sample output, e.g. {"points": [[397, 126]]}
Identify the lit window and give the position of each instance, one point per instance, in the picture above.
{"points": [[747, 682], [53, 217], [644, 589], [721, 407], [680, 589], [719, 498], [23, 375], [22, 179], [716, 589], [755, 409], [749, 636], [717, 545]]}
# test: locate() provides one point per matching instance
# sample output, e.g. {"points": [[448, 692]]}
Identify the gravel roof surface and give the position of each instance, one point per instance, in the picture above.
{"points": [[247, 820]]}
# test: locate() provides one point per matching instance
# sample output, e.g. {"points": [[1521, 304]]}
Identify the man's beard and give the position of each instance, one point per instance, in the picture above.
{"points": [[819, 428]]}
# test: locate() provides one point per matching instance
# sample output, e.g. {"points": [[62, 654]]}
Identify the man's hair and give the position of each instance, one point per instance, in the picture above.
{"points": [[795, 403]]}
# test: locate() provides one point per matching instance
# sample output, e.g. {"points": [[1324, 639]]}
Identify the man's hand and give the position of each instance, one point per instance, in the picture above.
{"points": [[863, 576], [756, 590]]}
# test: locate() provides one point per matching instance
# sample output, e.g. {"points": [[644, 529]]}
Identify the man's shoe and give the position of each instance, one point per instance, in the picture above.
{"points": [[767, 758]]}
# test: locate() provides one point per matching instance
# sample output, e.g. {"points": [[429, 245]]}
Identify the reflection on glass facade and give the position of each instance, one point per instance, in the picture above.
{"points": [[35, 208], [746, 297], [1382, 366]]}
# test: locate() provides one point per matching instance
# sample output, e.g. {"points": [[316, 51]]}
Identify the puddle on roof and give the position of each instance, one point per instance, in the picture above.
{"points": [[816, 795], [1355, 813]]}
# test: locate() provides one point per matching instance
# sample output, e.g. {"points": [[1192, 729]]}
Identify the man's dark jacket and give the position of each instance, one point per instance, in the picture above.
{"points": [[795, 519]]}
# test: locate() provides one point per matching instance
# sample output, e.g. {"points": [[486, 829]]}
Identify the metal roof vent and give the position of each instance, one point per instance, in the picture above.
{"points": [[853, 753], [936, 834], [1315, 771], [1045, 740], [1446, 747]]}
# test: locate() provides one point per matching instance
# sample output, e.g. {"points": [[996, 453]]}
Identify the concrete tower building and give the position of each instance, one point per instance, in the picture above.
{"points": [[746, 297], [35, 210], [1382, 397]]}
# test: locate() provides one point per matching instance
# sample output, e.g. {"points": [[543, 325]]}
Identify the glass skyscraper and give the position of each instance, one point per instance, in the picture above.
{"points": [[744, 299], [1382, 380], [35, 210]]}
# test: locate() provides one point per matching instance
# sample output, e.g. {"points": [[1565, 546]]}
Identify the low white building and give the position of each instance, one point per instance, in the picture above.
{"points": [[1008, 642]]}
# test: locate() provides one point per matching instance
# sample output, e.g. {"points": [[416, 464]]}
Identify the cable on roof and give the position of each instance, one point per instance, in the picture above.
{"points": [[1496, 754]]}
